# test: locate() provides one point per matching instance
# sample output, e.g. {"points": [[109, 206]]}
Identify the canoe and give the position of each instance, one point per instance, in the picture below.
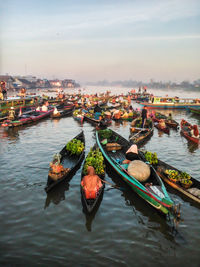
{"points": [[185, 131], [72, 162], [171, 123], [63, 113], [95, 122], [165, 129], [139, 135], [195, 110], [192, 193], [28, 118], [152, 191], [91, 204]]}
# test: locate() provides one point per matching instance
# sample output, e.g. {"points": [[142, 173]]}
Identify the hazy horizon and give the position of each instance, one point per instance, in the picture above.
{"points": [[91, 41]]}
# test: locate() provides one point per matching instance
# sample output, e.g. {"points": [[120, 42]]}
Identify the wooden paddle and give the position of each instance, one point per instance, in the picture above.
{"points": [[37, 167], [113, 185]]}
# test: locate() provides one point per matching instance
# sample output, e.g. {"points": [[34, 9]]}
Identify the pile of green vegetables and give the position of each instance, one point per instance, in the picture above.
{"points": [[151, 157], [105, 134], [96, 160], [75, 147]]}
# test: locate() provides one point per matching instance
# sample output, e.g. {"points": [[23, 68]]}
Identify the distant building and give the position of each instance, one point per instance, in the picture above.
{"points": [[8, 80], [55, 83], [68, 83]]}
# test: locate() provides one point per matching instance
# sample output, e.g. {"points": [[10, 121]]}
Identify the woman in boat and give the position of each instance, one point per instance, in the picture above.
{"points": [[144, 116], [55, 111], [102, 123], [194, 131], [56, 168], [131, 154], [162, 124], [97, 111], [11, 114], [91, 183], [169, 118]]}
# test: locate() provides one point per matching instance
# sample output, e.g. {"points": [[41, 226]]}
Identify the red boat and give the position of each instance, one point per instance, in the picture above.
{"points": [[27, 118], [186, 128]]}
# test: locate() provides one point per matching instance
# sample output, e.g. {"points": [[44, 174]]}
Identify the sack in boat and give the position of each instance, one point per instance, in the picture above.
{"points": [[139, 170], [113, 146]]}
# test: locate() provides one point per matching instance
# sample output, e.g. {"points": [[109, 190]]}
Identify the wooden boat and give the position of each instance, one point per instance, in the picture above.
{"points": [[185, 131], [72, 162], [90, 204], [192, 193], [28, 118], [139, 135], [19, 102], [78, 115], [171, 103], [153, 190], [195, 110], [89, 118], [165, 129], [171, 123], [63, 113]]}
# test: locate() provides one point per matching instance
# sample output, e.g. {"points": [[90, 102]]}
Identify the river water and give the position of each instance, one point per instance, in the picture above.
{"points": [[52, 230]]}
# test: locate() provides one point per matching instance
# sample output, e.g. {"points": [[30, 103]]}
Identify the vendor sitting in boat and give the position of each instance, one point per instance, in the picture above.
{"points": [[169, 118], [91, 183], [131, 154], [11, 114], [162, 124], [136, 167], [56, 168], [194, 131]]}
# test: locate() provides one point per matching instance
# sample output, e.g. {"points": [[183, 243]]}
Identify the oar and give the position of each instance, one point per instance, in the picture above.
{"points": [[113, 185], [37, 167]]}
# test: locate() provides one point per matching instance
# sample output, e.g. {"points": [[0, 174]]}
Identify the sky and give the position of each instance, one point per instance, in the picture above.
{"points": [[89, 40]]}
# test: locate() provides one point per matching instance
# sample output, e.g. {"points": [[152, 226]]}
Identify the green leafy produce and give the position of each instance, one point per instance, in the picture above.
{"points": [[75, 146], [105, 134], [96, 160], [151, 157]]}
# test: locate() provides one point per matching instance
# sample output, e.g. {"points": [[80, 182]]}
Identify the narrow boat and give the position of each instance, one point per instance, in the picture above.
{"points": [[195, 110], [89, 118], [91, 203], [171, 103], [139, 135], [71, 162], [169, 122], [186, 132], [78, 115], [163, 129], [152, 190], [193, 192], [27, 118], [63, 113]]}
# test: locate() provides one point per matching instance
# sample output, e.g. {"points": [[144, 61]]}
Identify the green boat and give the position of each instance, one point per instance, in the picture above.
{"points": [[152, 190], [195, 110]]}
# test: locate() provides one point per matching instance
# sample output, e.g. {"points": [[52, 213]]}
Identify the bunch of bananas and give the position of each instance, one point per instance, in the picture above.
{"points": [[75, 146], [96, 160], [151, 157]]}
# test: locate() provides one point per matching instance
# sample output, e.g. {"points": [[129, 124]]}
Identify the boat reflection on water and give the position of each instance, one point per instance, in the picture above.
{"points": [[9, 134], [144, 213], [90, 216], [57, 194], [190, 145]]}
